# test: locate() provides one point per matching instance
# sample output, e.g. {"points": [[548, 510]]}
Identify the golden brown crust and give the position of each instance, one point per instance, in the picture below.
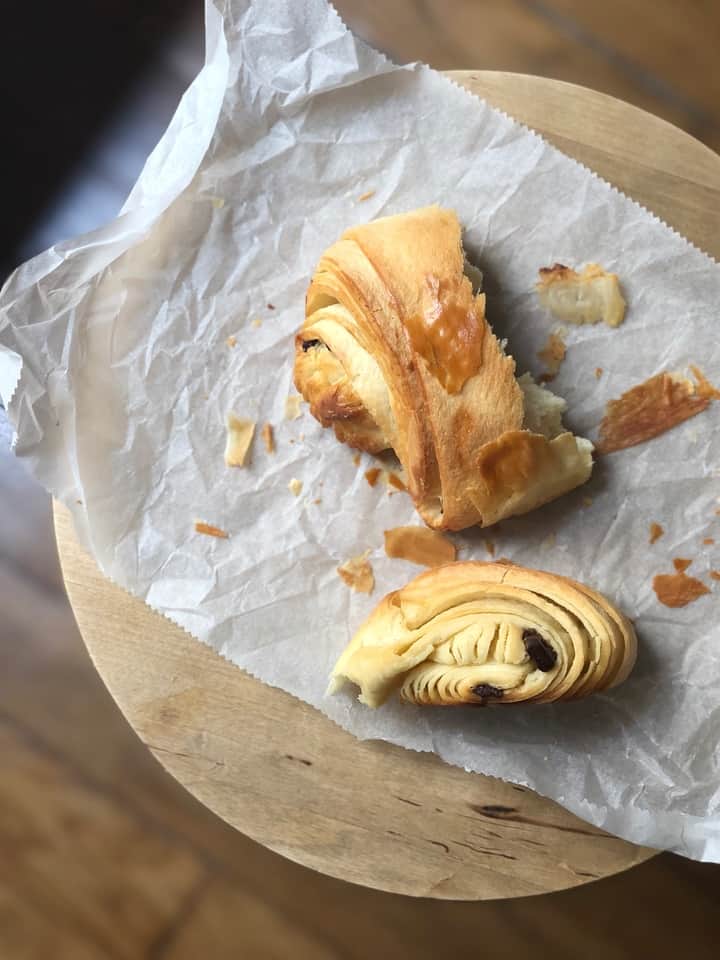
{"points": [[476, 633], [395, 352], [649, 409]]}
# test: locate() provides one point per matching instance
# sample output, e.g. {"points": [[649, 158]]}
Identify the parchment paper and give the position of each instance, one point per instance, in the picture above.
{"points": [[114, 366]]}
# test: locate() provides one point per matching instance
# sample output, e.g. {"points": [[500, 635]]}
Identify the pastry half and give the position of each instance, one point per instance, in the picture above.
{"points": [[395, 353], [481, 633]]}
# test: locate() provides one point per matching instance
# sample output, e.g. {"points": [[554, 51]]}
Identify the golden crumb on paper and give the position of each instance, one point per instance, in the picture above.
{"points": [[587, 501], [366, 196], [598, 372], [715, 574], [704, 388], [647, 410], [656, 531], [419, 545], [681, 564], [292, 406], [490, 547], [209, 530], [317, 500], [268, 437], [271, 306], [257, 322], [552, 355], [356, 459], [239, 437], [708, 541], [295, 487], [231, 342], [357, 573], [394, 481], [218, 202], [587, 297], [678, 589], [372, 475]]}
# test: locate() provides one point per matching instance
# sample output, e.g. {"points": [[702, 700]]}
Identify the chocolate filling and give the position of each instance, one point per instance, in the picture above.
{"points": [[539, 650], [484, 690], [307, 344]]}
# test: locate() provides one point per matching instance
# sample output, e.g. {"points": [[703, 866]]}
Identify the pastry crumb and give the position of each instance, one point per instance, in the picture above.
{"points": [[357, 573], [268, 437], [490, 547], [598, 372], [552, 355], [587, 501], [394, 481], [356, 459], [715, 574], [292, 406], [678, 589], [372, 475], [704, 388], [209, 530], [587, 297], [295, 487], [709, 541], [681, 564], [257, 322], [656, 531], [317, 501], [429, 548], [366, 196], [240, 432], [649, 409], [271, 306], [231, 342]]}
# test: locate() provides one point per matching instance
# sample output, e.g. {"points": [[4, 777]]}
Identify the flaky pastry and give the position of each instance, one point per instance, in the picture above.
{"points": [[395, 353], [481, 633]]}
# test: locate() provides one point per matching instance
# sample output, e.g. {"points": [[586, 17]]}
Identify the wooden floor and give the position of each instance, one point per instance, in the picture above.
{"points": [[101, 855]]}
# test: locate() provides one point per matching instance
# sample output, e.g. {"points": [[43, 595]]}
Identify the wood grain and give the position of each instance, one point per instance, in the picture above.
{"points": [[280, 771]]}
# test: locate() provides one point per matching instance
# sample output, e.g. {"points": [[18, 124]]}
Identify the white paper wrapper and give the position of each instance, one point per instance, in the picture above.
{"points": [[116, 344]]}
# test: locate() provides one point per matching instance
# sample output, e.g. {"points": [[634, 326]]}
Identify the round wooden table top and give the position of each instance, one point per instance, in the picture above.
{"points": [[279, 770]]}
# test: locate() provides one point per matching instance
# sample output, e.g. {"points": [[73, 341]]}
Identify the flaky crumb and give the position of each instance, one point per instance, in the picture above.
{"points": [[708, 541], [598, 372], [292, 406], [681, 564], [317, 501], [295, 487], [647, 410], [372, 475], [419, 545], [656, 531], [231, 342], [271, 306], [490, 547], [552, 355], [257, 322], [268, 437], [715, 574], [209, 530], [704, 388], [356, 459], [365, 196], [587, 297], [358, 574], [240, 432], [678, 589], [394, 481]]}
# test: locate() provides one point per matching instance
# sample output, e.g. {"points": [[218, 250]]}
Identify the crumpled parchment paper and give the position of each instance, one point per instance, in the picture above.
{"points": [[117, 377]]}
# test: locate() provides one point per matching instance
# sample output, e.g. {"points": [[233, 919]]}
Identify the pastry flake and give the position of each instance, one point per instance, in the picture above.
{"points": [[358, 574], [588, 297], [292, 406], [552, 355], [649, 409], [295, 487], [419, 545], [678, 589], [396, 353], [656, 531], [268, 437], [372, 475], [481, 633], [240, 433], [210, 531]]}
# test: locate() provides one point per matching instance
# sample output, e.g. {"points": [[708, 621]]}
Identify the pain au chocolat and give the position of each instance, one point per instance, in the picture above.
{"points": [[395, 353], [487, 633]]}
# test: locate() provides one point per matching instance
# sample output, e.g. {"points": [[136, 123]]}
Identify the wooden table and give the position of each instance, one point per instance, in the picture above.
{"points": [[284, 774]]}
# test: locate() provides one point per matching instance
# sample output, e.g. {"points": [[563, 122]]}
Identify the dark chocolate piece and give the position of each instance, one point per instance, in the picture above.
{"points": [[307, 344], [484, 690], [539, 650]]}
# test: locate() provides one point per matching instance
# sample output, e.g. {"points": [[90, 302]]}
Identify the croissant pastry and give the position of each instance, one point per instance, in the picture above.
{"points": [[395, 353], [481, 633]]}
